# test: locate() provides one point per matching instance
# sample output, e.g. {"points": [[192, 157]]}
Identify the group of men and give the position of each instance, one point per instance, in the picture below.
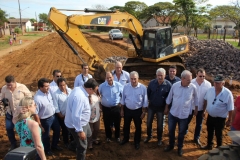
{"points": [[122, 95]]}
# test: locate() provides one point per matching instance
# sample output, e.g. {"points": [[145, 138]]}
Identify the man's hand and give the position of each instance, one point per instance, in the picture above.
{"points": [[82, 135], [166, 111], [43, 130], [61, 116], [195, 112], [143, 115], [228, 123]]}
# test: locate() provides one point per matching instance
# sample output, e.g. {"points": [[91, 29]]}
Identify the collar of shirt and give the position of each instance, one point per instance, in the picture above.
{"points": [[109, 85], [84, 91], [163, 83], [138, 85], [219, 93], [114, 72], [195, 81], [68, 91], [53, 83], [41, 93]]}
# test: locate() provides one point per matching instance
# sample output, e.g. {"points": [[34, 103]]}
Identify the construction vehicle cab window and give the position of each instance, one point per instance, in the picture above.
{"points": [[153, 47]]}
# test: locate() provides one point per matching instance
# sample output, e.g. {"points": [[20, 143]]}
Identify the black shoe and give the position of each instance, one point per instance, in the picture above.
{"points": [[159, 143], [197, 142], [147, 139], [168, 148], [180, 152], [207, 147], [57, 148], [124, 142], [137, 146], [12, 148], [49, 153], [72, 148]]}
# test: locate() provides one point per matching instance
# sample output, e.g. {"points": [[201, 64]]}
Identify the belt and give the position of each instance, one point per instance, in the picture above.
{"points": [[112, 107], [47, 118]]}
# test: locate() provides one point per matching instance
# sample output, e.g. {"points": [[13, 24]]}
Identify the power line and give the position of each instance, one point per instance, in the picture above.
{"points": [[8, 6]]}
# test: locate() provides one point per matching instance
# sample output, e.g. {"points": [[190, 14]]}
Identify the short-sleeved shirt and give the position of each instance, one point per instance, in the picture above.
{"points": [[95, 109], [14, 97], [26, 139], [81, 79], [220, 105], [134, 97], [60, 100], [236, 121], [124, 77], [174, 80]]}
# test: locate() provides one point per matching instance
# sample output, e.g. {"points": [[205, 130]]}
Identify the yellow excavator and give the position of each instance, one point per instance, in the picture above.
{"points": [[153, 47]]}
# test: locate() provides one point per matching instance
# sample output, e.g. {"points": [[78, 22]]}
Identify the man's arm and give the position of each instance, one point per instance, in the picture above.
{"points": [[204, 108]]}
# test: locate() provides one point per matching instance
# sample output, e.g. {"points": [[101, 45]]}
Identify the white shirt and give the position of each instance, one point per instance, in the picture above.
{"points": [[95, 109], [201, 91], [124, 77], [78, 109], [53, 87], [181, 98], [220, 105], [60, 100], [80, 80], [134, 97]]}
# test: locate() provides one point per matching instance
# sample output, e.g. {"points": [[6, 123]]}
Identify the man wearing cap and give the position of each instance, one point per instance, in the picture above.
{"points": [[219, 105]]}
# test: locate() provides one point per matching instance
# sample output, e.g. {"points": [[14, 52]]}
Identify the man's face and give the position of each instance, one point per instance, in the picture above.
{"points": [[186, 80], [109, 78], [200, 76], [11, 85], [62, 86], [118, 68], [172, 72], [134, 80], [160, 77], [91, 91], [56, 76], [219, 85], [45, 88], [85, 70]]}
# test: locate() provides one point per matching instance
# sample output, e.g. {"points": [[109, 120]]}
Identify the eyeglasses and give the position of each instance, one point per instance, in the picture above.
{"points": [[201, 76], [58, 76], [214, 101]]}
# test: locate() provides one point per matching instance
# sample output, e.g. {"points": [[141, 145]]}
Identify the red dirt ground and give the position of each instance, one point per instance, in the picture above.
{"points": [[40, 58]]}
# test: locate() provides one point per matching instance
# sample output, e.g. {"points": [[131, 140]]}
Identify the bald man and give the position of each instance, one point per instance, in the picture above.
{"points": [[120, 75]]}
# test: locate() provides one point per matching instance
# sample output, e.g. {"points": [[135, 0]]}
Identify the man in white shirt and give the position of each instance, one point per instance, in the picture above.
{"points": [[120, 75], [83, 77], [53, 85], [202, 87], [181, 95]]}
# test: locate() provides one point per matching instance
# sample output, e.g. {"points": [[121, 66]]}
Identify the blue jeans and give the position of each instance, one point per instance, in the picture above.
{"points": [[47, 124], [182, 126], [160, 122], [10, 129], [198, 126]]}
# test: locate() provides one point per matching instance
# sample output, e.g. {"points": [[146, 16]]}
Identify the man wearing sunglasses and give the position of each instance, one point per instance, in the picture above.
{"points": [[53, 85], [219, 105], [202, 87]]}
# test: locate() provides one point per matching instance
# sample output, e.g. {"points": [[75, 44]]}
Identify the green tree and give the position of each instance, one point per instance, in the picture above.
{"points": [[120, 8], [32, 20], [3, 19], [12, 18], [135, 8]]}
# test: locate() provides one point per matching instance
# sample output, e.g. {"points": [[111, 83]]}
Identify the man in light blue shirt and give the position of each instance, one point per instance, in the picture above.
{"points": [[53, 85], [83, 77], [219, 105], [181, 95], [120, 75], [111, 92], [45, 116], [78, 115], [60, 98], [134, 103]]}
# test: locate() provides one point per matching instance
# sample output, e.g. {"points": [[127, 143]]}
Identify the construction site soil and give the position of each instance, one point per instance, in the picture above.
{"points": [[41, 57]]}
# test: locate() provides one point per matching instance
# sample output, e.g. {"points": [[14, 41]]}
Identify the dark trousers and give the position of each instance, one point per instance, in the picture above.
{"points": [[47, 124], [10, 129], [182, 126], [65, 132], [198, 127], [80, 144], [136, 116], [111, 115], [160, 118], [215, 124]]}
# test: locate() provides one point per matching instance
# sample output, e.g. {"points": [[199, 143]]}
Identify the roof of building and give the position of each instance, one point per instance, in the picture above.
{"points": [[24, 20]]}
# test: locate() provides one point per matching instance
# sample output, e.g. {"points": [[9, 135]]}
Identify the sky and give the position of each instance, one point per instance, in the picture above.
{"points": [[31, 8]]}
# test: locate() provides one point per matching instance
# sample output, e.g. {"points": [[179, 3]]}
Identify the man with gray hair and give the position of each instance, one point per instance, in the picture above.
{"points": [[182, 94], [119, 75], [157, 91]]}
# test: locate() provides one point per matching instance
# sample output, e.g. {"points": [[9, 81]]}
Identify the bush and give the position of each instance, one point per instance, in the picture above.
{"points": [[17, 30]]}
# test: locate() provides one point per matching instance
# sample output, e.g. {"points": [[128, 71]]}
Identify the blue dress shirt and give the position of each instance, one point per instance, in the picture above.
{"points": [[79, 81], [110, 95], [124, 77], [60, 100]]}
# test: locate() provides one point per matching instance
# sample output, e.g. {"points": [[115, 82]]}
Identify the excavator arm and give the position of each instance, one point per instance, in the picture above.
{"points": [[68, 28]]}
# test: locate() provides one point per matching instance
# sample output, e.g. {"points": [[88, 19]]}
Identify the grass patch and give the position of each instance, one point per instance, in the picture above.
{"points": [[234, 44], [205, 36]]}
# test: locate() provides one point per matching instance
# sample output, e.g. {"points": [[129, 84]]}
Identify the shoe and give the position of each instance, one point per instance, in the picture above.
{"points": [[124, 142], [57, 148], [147, 139], [49, 153], [207, 147], [97, 142], [72, 148], [168, 148], [180, 152], [108, 140], [12, 148], [90, 148], [159, 143], [118, 140], [197, 142], [137, 146]]}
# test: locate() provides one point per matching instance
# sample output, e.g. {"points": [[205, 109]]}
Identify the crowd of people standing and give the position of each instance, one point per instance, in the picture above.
{"points": [[76, 112]]}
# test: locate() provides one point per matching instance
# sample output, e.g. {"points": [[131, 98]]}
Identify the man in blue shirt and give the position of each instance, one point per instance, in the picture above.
{"points": [[45, 116], [83, 77], [119, 75], [172, 78], [157, 92], [78, 115], [53, 85], [111, 92], [60, 98], [134, 103]]}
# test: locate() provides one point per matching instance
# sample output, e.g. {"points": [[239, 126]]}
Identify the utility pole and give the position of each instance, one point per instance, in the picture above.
{"points": [[20, 16], [36, 20]]}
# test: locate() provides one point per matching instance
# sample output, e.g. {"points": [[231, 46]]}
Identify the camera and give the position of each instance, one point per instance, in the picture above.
{"points": [[5, 102]]}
